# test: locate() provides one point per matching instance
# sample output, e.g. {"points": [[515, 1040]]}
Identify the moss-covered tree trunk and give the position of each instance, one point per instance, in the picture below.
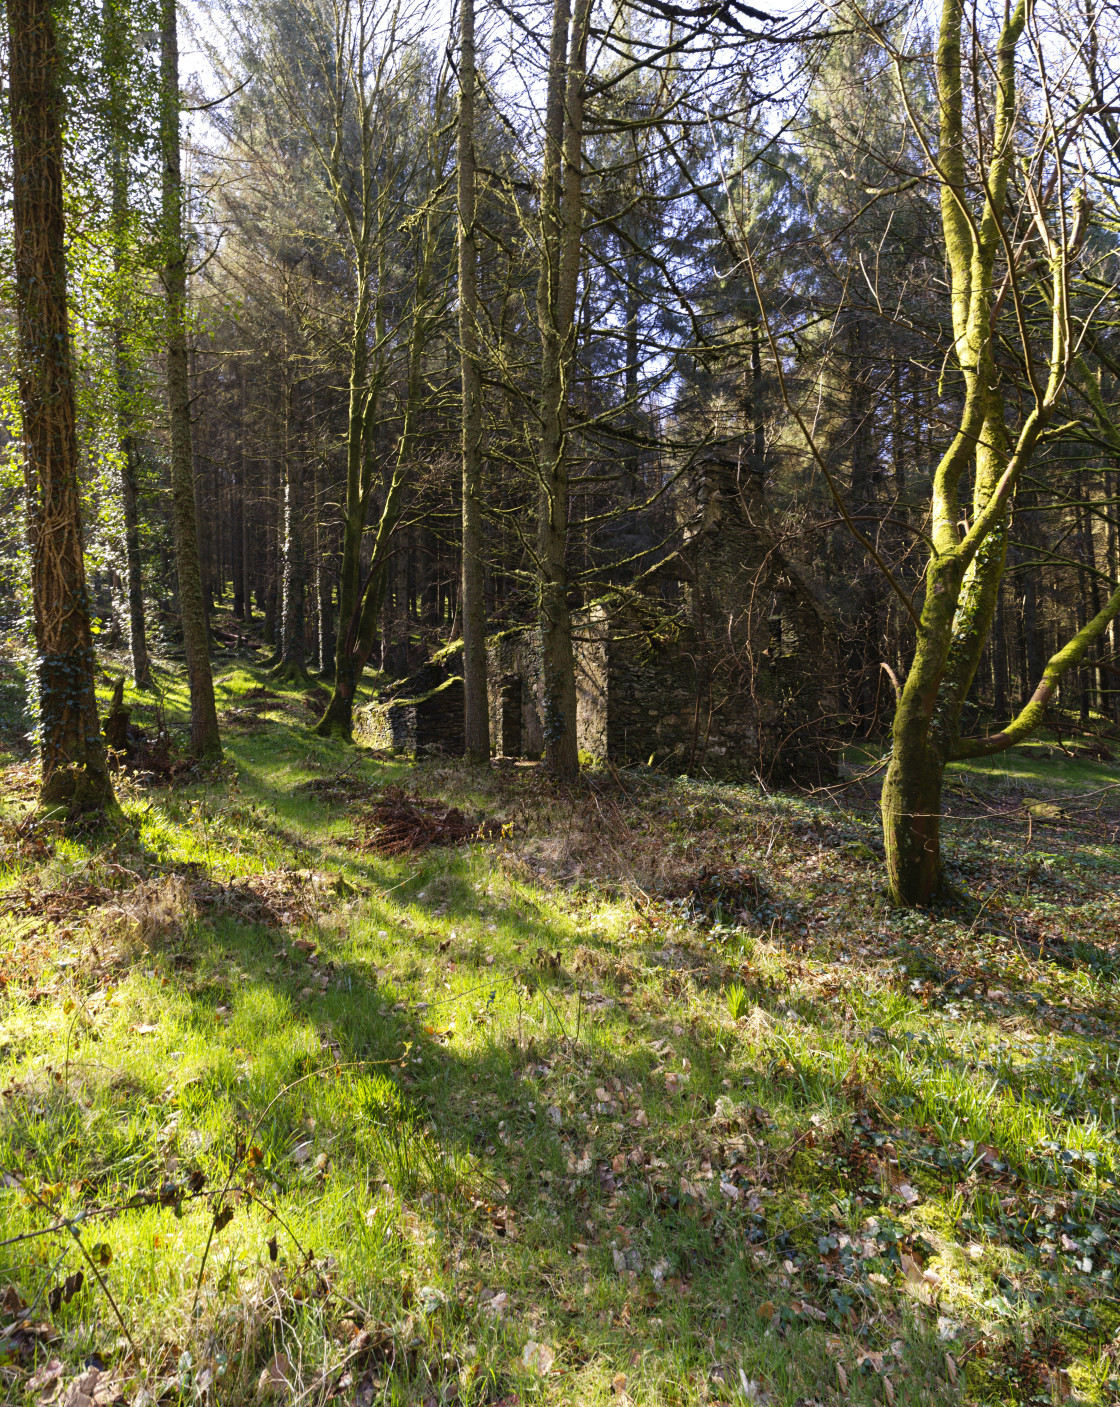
{"points": [[138, 635], [205, 740], [969, 547], [72, 752]]}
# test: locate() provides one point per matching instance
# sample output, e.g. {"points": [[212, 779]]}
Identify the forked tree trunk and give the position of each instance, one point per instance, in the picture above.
{"points": [[205, 740], [476, 706], [72, 752], [338, 715], [966, 565], [359, 605]]}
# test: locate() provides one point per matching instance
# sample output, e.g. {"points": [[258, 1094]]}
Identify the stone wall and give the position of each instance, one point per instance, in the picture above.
{"points": [[513, 676], [738, 680], [425, 716], [673, 700]]}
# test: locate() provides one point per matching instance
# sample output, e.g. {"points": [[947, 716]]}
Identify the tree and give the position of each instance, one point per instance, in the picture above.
{"points": [[476, 721], [561, 231], [72, 753], [205, 738], [1011, 271], [117, 46]]}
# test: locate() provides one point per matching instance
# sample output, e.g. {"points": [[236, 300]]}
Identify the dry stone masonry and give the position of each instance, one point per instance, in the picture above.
{"points": [[723, 665]]}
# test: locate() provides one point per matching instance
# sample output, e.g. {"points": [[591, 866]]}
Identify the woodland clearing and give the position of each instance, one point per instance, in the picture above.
{"points": [[643, 1094]]}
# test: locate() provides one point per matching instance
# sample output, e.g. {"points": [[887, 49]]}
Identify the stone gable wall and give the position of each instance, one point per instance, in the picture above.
{"points": [[426, 716]]}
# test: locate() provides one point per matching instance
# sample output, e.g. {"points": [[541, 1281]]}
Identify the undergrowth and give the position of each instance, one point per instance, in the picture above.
{"points": [[650, 1097]]}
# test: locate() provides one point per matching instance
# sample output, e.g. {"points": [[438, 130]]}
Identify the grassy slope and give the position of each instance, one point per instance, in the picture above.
{"points": [[508, 1101]]}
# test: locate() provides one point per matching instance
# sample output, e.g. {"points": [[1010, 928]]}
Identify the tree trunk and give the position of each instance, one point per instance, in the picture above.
{"points": [[360, 605], [911, 808], [964, 572], [245, 520], [561, 238], [205, 740], [323, 604], [138, 638], [338, 716], [115, 45], [237, 503], [476, 706], [293, 610], [72, 754], [756, 460]]}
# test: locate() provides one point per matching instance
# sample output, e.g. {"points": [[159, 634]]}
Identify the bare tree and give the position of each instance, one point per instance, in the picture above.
{"points": [[1011, 257]]}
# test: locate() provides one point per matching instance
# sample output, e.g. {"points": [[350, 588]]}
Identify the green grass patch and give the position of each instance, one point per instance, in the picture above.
{"points": [[526, 1119]]}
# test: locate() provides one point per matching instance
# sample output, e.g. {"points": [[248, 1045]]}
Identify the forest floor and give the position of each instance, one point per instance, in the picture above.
{"points": [[635, 1093]]}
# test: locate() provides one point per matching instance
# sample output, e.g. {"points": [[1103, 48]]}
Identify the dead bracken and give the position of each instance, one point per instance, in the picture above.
{"points": [[399, 823]]}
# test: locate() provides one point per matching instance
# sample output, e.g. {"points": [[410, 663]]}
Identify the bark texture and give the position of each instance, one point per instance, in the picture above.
{"points": [[205, 739], [115, 46], [476, 706], [74, 770], [561, 213], [967, 559]]}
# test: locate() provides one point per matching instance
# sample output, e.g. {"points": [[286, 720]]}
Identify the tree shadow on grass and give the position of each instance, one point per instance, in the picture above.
{"points": [[451, 1200]]}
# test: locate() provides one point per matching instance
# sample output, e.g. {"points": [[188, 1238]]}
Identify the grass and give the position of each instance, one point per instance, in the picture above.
{"points": [[324, 1125]]}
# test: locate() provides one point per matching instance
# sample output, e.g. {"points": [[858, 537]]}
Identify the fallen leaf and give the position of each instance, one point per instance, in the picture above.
{"points": [[911, 1269], [494, 1304], [45, 1375], [618, 1382], [538, 1357], [888, 1388], [275, 1377], [765, 1311], [951, 1367]]}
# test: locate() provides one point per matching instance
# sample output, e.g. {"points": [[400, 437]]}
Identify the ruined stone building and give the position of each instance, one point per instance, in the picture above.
{"points": [[720, 662]]}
